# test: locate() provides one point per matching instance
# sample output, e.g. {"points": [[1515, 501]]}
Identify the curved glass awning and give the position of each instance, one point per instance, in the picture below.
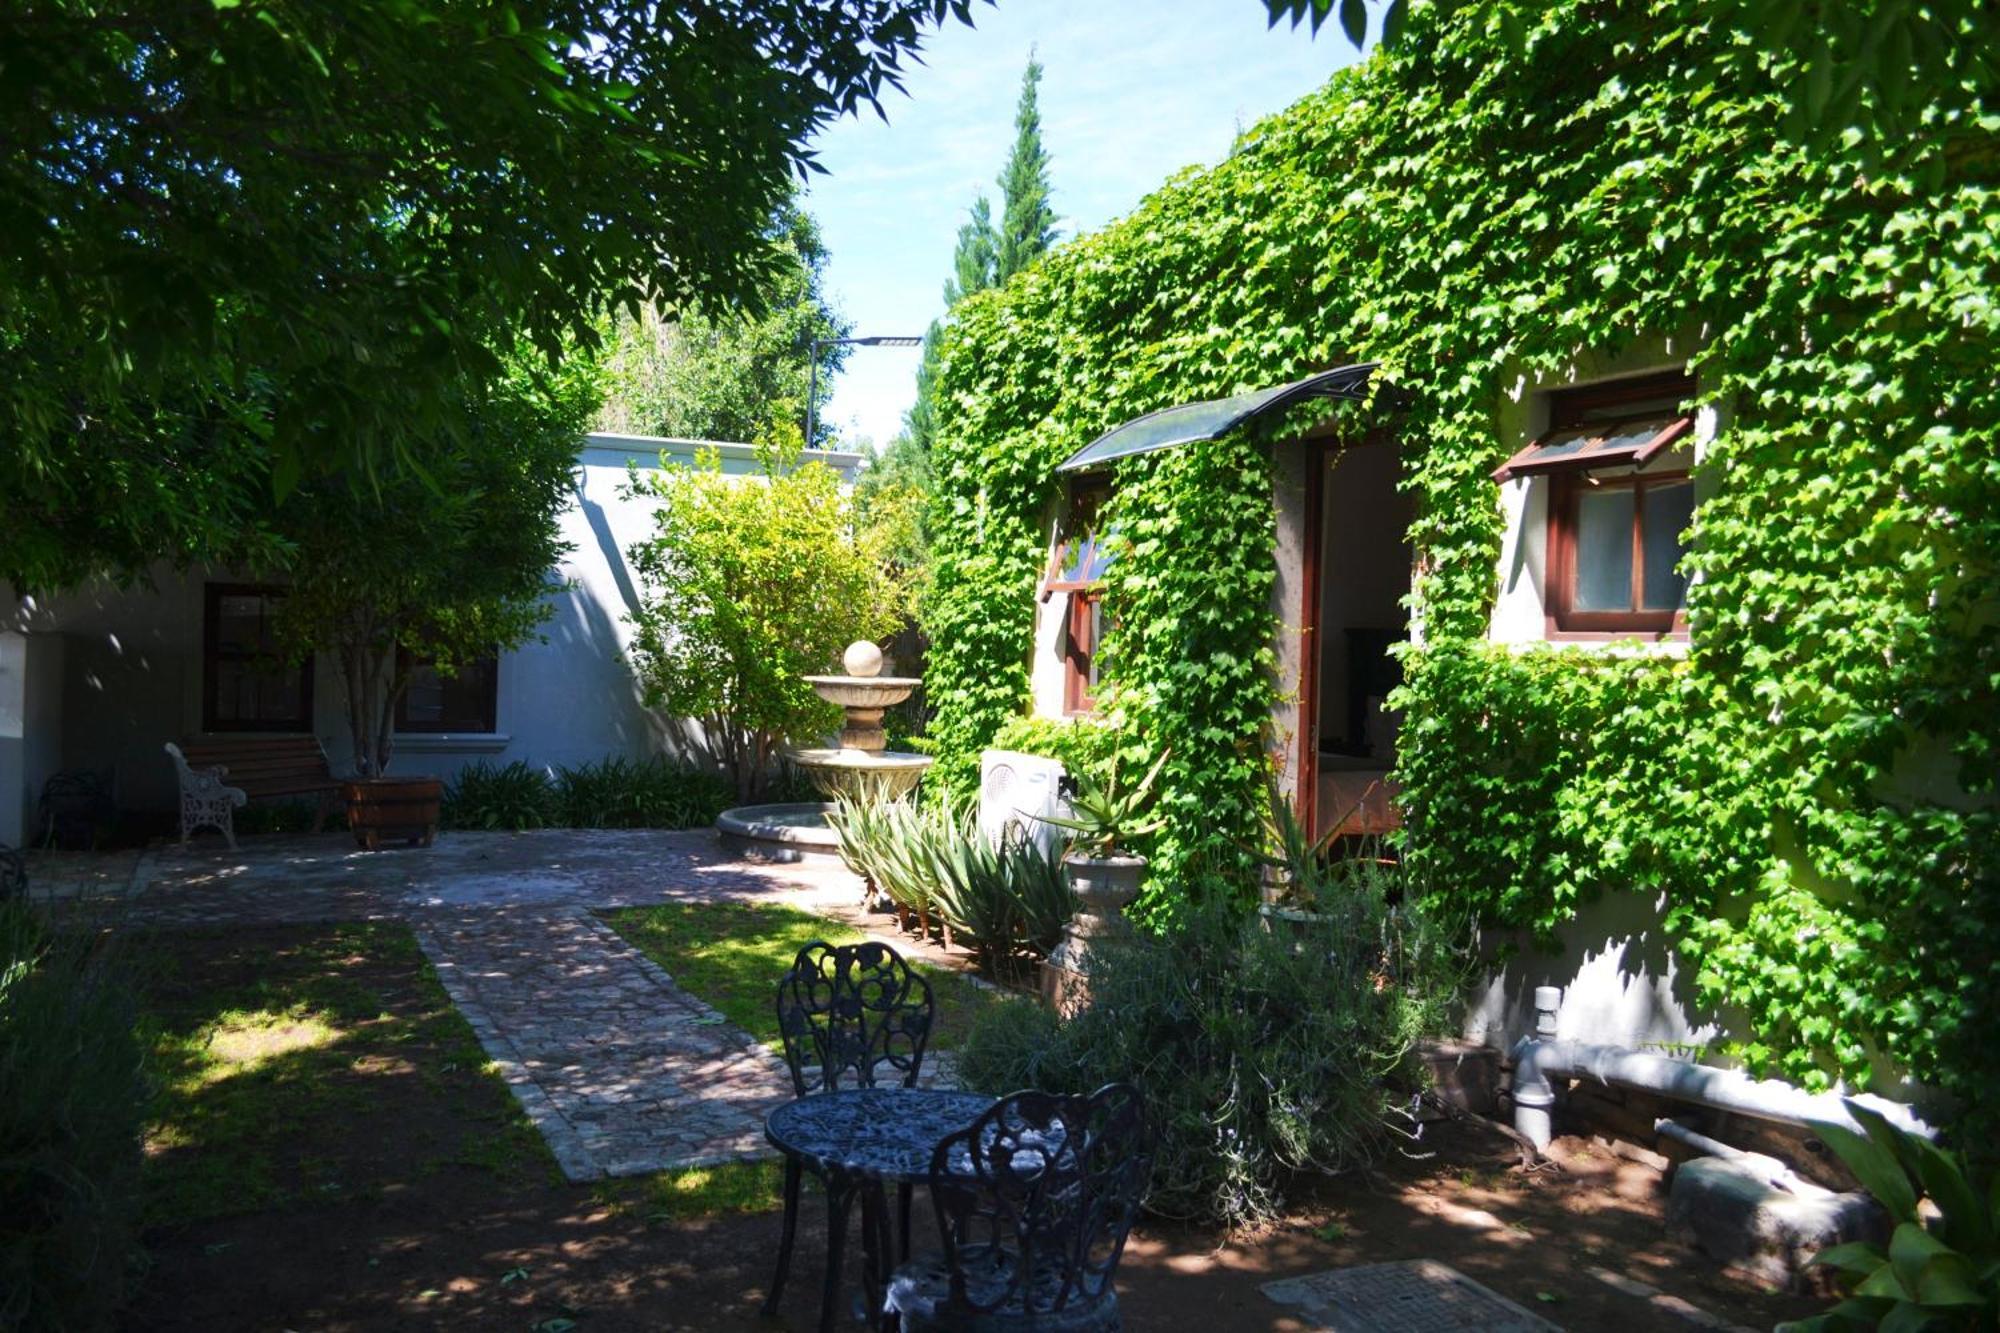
{"points": [[1173, 426]]}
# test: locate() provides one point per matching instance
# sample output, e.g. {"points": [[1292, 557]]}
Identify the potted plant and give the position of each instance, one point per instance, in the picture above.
{"points": [[1105, 874], [432, 567]]}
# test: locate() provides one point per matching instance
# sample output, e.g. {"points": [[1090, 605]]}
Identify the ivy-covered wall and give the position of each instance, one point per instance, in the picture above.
{"points": [[1813, 786]]}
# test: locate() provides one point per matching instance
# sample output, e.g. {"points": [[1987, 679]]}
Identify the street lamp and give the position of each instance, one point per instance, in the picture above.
{"points": [[812, 394]]}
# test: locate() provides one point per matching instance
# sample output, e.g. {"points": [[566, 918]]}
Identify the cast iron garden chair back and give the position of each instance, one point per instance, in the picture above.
{"points": [[1034, 1202], [851, 1015]]}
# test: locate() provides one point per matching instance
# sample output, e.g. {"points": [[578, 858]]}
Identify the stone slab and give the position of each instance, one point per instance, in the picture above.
{"points": [[1732, 1211], [1413, 1296]]}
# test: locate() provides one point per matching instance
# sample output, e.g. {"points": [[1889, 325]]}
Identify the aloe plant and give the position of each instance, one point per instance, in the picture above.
{"points": [[1941, 1269], [1104, 820], [999, 900]]}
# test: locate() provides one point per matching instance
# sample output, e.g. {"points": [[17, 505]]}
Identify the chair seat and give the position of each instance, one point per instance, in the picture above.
{"points": [[920, 1294]]}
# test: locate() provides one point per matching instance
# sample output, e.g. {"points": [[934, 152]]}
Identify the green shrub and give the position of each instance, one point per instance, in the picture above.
{"points": [[616, 792], [1005, 900], [512, 796], [72, 1103], [1261, 1048]]}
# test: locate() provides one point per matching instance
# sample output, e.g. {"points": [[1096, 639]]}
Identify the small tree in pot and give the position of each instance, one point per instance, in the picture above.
{"points": [[437, 568], [1103, 821]]}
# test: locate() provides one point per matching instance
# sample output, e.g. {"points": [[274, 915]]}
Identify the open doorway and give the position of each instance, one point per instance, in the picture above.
{"points": [[1358, 564]]}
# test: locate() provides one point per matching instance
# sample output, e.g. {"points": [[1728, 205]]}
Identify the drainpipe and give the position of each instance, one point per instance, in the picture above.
{"points": [[1541, 1058]]}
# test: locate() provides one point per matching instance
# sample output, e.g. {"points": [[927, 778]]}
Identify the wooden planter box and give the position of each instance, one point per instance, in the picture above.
{"points": [[383, 810]]}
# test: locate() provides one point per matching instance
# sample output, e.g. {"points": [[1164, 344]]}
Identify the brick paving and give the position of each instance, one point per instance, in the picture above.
{"points": [[621, 1070]]}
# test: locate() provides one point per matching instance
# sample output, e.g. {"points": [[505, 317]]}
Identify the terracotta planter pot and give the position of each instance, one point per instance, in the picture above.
{"points": [[383, 810]]}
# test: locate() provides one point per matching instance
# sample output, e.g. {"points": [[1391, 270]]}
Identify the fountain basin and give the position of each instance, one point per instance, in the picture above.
{"points": [[784, 832], [885, 775], [875, 692]]}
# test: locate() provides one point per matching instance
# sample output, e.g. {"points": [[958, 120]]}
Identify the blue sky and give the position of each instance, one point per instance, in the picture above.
{"points": [[1133, 90]]}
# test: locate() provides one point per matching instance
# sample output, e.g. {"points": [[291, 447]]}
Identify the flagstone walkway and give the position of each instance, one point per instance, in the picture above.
{"points": [[621, 1070]]}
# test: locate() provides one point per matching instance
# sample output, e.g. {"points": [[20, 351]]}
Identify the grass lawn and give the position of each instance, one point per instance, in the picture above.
{"points": [[732, 955], [286, 1065]]}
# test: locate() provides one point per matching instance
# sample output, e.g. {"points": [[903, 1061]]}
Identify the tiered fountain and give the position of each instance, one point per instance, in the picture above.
{"points": [[859, 766]]}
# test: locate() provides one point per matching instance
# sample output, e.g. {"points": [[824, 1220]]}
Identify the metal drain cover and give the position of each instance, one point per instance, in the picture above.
{"points": [[1415, 1296]]}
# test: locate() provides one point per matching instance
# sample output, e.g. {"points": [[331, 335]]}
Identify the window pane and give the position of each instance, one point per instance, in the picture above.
{"points": [[1084, 560], [1632, 434], [1663, 521], [1096, 633], [465, 702], [239, 625], [278, 697], [423, 706], [1603, 550], [1559, 445]]}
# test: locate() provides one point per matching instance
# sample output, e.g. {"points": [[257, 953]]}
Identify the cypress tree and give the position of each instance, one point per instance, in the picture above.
{"points": [[986, 255], [1027, 223]]}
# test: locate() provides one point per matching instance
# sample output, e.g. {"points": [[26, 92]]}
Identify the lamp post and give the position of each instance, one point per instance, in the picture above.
{"points": [[812, 394]]}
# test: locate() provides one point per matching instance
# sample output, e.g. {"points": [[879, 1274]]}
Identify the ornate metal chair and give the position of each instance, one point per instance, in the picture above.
{"points": [[1034, 1201], [848, 1015], [206, 800]]}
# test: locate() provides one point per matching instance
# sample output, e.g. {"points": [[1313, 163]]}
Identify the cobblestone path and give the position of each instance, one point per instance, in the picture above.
{"points": [[621, 1070]]}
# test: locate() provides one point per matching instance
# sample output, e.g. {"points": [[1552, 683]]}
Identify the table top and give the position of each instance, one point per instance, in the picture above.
{"points": [[882, 1133]]}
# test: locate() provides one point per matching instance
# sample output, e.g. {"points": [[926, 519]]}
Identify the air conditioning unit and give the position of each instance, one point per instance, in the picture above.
{"points": [[1014, 790]]}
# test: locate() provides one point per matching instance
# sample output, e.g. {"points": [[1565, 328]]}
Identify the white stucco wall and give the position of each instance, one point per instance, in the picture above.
{"points": [[104, 675], [1621, 983], [31, 714], [13, 736]]}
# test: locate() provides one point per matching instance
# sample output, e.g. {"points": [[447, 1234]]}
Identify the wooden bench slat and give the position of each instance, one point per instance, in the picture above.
{"points": [[261, 765]]}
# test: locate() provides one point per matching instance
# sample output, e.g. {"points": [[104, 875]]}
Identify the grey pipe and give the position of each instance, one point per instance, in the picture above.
{"points": [[1540, 1058], [1702, 1143]]}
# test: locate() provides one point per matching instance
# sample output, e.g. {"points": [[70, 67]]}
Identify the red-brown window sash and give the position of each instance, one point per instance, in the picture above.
{"points": [[1080, 650], [1566, 490]]}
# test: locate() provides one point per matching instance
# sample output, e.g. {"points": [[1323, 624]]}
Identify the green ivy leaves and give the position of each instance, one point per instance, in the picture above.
{"points": [[1813, 787]]}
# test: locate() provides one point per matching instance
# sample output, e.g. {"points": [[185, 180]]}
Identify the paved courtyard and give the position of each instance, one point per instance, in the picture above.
{"points": [[621, 1070]]}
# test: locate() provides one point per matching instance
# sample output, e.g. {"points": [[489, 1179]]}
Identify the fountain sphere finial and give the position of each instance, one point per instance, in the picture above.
{"points": [[862, 658]]}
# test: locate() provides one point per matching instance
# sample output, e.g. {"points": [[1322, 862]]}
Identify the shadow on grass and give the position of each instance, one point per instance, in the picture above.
{"points": [[307, 1066]]}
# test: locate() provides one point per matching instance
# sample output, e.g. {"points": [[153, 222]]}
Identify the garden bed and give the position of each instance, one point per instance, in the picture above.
{"points": [[447, 1215]]}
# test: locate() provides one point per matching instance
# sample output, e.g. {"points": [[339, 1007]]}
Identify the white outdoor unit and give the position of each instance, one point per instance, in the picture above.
{"points": [[1016, 788]]}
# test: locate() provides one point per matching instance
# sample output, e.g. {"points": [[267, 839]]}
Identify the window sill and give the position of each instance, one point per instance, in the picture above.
{"points": [[1623, 645], [464, 742]]}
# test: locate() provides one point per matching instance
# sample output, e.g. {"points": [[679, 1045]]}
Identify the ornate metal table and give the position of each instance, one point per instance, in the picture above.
{"points": [[859, 1140]]}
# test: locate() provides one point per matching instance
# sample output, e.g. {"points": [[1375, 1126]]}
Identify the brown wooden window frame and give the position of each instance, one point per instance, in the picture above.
{"points": [[1563, 620], [211, 659], [1571, 408], [489, 703], [1080, 647]]}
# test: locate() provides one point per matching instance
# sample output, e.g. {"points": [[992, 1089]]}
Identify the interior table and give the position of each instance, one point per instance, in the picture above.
{"points": [[859, 1140]]}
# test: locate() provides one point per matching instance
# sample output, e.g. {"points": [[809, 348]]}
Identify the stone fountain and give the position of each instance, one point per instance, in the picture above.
{"points": [[859, 766]]}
